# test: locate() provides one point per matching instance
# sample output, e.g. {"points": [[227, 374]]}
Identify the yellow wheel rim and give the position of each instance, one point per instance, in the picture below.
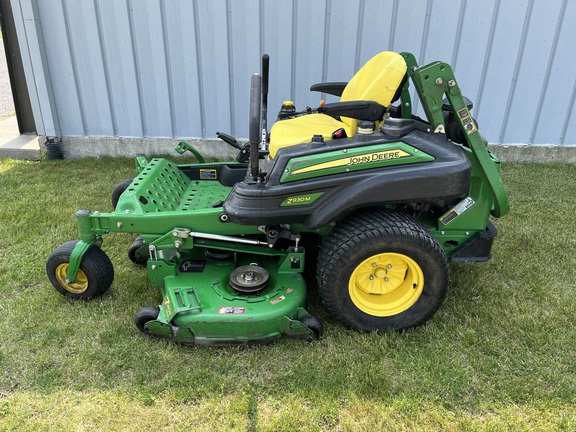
{"points": [[386, 284], [77, 287]]}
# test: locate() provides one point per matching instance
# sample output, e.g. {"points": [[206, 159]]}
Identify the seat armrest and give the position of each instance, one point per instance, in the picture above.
{"points": [[333, 88], [360, 110]]}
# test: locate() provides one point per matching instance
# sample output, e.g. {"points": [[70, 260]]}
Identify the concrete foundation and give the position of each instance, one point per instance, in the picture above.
{"points": [[80, 147], [15, 145], [77, 147], [534, 153]]}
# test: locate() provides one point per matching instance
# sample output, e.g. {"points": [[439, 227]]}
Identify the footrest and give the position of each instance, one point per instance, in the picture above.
{"points": [[203, 194]]}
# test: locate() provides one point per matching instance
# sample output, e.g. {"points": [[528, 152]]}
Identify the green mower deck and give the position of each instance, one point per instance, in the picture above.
{"points": [[200, 307]]}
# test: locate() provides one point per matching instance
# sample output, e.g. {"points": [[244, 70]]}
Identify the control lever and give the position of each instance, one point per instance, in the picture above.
{"points": [[229, 140], [244, 154]]}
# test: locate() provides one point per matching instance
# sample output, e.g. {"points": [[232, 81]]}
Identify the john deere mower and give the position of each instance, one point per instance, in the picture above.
{"points": [[389, 197]]}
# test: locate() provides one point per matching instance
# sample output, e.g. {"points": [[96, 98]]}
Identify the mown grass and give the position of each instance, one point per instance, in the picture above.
{"points": [[497, 356]]}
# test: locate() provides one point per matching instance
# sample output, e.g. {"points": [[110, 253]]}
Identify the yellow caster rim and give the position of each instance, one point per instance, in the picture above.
{"points": [[386, 284], [77, 287]]}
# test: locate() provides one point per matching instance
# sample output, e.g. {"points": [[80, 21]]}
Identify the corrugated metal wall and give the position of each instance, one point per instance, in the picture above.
{"points": [[181, 68]]}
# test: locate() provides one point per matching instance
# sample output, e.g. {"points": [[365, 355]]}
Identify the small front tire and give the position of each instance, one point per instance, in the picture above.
{"points": [[145, 315], [94, 276], [314, 324], [119, 190], [134, 256]]}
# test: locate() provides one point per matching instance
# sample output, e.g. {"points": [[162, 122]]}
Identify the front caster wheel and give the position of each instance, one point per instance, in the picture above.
{"points": [[313, 324], [94, 277], [144, 315], [119, 190], [134, 256]]}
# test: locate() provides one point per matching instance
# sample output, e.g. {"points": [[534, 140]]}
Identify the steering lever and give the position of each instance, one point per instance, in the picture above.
{"points": [[229, 140]]}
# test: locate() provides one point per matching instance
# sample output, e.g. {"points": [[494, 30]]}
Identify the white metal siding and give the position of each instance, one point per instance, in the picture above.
{"points": [[181, 68]]}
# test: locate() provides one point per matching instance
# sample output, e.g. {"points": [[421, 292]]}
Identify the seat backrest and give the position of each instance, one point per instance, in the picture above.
{"points": [[378, 80]]}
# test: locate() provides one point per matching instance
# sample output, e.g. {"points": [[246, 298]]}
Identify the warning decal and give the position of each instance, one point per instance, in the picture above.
{"points": [[460, 208], [224, 310], [278, 300], [467, 121], [208, 174]]}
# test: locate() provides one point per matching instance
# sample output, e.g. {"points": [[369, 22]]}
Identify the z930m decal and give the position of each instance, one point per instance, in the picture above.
{"points": [[301, 199]]}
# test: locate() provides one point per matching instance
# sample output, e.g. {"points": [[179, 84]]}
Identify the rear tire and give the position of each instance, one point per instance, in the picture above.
{"points": [[94, 277], [382, 270]]}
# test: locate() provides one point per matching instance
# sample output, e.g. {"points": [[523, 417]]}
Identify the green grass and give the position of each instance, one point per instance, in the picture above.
{"points": [[499, 355]]}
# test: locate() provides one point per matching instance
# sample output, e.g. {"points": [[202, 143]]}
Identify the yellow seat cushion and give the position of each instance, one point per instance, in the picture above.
{"points": [[376, 81], [300, 130]]}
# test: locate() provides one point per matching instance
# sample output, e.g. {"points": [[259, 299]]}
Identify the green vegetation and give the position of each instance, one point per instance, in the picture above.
{"points": [[499, 355]]}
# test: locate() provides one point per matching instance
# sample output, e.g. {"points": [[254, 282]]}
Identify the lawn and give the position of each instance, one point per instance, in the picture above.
{"points": [[499, 354]]}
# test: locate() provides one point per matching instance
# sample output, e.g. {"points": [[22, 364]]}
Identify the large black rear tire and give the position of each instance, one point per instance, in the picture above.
{"points": [[381, 270]]}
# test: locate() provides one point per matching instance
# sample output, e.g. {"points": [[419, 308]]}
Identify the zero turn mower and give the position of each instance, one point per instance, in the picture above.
{"points": [[391, 198]]}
